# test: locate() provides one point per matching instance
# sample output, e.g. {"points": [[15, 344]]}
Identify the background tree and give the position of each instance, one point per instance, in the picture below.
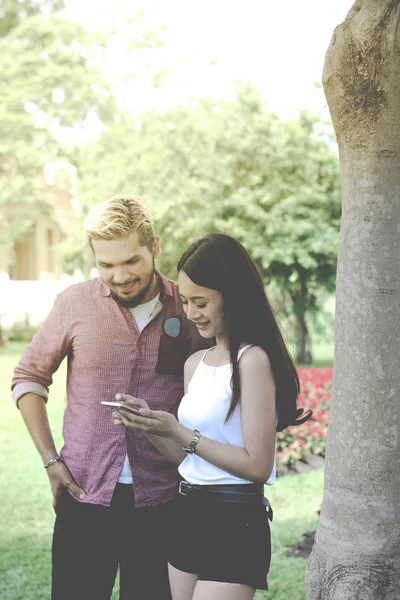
{"points": [[13, 12], [357, 549], [51, 81], [232, 166]]}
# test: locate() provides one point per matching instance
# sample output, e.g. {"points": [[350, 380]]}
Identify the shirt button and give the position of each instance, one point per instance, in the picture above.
{"points": [[129, 315], [133, 371]]}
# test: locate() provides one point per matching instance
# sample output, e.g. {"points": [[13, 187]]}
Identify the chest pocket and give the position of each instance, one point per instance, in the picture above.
{"points": [[173, 349]]}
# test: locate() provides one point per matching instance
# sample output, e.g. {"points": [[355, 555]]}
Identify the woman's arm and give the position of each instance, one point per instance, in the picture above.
{"points": [[257, 403], [253, 462], [168, 447]]}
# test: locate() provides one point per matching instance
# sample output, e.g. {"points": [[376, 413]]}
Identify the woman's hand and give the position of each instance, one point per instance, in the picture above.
{"points": [[130, 401], [157, 422]]}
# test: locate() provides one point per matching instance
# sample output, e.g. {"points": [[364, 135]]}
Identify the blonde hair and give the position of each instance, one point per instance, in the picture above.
{"points": [[118, 217]]}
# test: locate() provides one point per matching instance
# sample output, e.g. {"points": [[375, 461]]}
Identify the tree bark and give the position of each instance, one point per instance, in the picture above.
{"points": [[356, 554]]}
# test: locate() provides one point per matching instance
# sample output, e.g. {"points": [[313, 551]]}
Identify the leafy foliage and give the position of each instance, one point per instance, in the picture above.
{"points": [[14, 11], [229, 165], [51, 81], [232, 166]]}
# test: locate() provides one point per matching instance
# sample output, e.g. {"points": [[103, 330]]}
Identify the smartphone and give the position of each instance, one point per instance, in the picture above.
{"points": [[127, 407]]}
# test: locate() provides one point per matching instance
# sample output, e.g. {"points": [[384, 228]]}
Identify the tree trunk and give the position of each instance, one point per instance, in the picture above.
{"points": [[303, 348], [356, 554], [300, 299]]}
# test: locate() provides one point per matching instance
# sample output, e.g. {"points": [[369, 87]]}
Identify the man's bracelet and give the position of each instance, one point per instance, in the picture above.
{"points": [[191, 448], [52, 461]]}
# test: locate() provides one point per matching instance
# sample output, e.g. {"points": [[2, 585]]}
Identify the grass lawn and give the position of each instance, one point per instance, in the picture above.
{"points": [[322, 355], [27, 517]]}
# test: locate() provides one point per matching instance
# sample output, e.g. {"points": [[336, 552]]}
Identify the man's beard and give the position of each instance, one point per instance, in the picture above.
{"points": [[136, 300]]}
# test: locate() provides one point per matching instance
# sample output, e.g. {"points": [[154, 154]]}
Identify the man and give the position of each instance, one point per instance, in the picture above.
{"points": [[124, 332]]}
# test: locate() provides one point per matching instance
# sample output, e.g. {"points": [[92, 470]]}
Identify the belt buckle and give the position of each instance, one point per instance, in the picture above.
{"points": [[185, 488]]}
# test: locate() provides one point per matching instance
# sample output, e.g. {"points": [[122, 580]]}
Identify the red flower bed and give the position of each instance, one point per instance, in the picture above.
{"points": [[295, 443]]}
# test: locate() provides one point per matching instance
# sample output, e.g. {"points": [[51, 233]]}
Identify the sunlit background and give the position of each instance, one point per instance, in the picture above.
{"points": [[212, 111], [209, 46]]}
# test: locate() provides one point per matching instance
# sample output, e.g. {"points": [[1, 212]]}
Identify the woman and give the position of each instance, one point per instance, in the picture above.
{"points": [[237, 394]]}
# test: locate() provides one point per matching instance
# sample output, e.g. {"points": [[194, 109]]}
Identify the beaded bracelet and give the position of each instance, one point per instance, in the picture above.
{"points": [[52, 461]]}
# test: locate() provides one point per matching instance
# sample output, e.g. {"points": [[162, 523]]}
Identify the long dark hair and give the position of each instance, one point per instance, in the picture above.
{"points": [[219, 262]]}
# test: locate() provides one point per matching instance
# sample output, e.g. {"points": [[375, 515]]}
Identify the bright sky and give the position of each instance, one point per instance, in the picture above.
{"points": [[277, 45]]}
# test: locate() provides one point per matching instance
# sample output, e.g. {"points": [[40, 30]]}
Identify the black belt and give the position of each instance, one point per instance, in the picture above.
{"points": [[251, 493]]}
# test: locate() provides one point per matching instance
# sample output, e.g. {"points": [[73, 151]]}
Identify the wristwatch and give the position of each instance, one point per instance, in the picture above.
{"points": [[191, 448]]}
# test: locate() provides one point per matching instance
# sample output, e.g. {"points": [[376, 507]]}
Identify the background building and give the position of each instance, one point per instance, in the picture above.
{"points": [[36, 251]]}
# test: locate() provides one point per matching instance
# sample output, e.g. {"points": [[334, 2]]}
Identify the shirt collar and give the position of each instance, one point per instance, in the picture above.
{"points": [[165, 286]]}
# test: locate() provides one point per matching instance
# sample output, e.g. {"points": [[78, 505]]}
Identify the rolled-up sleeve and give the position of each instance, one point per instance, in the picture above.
{"points": [[43, 356], [27, 387]]}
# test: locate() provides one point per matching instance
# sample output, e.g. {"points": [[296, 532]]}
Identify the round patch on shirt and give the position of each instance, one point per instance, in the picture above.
{"points": [[172, 326]]}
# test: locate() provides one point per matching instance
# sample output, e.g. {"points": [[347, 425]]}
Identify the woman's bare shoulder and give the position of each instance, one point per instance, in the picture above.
{"points": [[193, 360], [255, 358]]}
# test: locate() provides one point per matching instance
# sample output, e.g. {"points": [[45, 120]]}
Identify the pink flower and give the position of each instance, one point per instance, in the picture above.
{"points": [[296, 443]]}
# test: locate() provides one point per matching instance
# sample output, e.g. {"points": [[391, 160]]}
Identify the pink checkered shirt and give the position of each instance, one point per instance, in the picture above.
{"points": [[106, 354]]}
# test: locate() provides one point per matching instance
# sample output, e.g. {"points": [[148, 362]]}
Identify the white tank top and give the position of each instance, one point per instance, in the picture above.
{"points": [[204, 407]]}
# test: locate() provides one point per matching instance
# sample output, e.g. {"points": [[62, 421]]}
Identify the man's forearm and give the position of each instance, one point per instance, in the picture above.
{"points": [[33, 410]]}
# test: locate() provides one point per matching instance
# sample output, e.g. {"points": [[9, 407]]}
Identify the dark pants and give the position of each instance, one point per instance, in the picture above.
{"points": [[90, 542]]}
